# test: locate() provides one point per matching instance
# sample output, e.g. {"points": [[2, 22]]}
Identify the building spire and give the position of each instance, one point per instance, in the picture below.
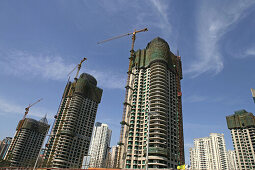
{"points": [[44, 119]]}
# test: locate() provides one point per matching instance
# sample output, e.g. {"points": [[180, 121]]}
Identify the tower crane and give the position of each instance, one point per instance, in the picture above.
{"points": [[123, 123], [19, 128], [131, 33], [78, 70], [133, 42], [26, 112], [30, 105]]}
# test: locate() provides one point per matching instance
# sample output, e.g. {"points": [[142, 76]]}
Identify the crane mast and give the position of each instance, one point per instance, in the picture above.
{"points": [[123, 123], [78, 66]]}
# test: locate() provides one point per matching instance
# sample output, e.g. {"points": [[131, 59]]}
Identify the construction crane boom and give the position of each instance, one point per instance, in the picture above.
{"points": [[131, 33], [113, 38], [79, 67], [30, 105]]}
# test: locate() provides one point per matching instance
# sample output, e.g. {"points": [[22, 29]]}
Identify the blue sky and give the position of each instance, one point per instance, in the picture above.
{"points": [[41, 41]]}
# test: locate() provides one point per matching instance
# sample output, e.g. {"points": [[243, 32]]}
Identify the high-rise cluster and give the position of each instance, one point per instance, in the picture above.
{"points": [[242, 127], [151, 127], [71, 133], [209, 153], [153, 89]]}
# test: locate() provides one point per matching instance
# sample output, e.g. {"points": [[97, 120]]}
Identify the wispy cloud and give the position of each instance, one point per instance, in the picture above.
{"points": [[195, 98], [213, 21], [9, 107], [109, 79], [20, 63], [162, 11], [51, 67], [152, 14], [250, 51]]}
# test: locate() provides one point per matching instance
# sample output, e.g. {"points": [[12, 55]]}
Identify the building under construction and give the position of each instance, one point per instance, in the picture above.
{"points": [[70, 136], [153, 89], [27, 142], [242, 127]]}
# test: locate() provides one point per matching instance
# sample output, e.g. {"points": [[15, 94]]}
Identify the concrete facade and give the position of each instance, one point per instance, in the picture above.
{"points": [[153, 85], [100, 146], [71, 133], [27, 142], [209, 153], [114, 156], [242, 127], [232, 160]]}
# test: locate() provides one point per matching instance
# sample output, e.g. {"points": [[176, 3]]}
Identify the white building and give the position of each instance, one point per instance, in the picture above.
{"points": [[114, 156], [242, 126], [100, 146], [232, 160], [209, 153]]}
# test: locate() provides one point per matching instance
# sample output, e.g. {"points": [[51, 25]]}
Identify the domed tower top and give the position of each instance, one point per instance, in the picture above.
{"points": [[87, 86], [158, 43], [89, 78], [157, 49]]}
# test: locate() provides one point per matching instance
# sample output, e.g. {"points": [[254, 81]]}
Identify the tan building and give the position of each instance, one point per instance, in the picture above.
{"points": [[209, 153], [153, 86], [232, 160], [70, 136], [242, 127], [114, 156]]}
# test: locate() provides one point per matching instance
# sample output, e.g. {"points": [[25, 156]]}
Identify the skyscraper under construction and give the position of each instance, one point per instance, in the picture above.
{"points": [[70, 136], [27, 142], [153, 91]]}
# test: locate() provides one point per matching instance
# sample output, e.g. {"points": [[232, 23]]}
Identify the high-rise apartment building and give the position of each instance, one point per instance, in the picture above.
{"points": [[153, 87], [4, 145], [209, 153], [27, 142], [242, 127], [192, 158], [71, 133], [100, 146], [232, 160], [114, 156]]}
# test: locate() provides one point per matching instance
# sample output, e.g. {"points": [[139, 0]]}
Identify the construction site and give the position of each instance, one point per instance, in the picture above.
{"points": [[151, 134]]}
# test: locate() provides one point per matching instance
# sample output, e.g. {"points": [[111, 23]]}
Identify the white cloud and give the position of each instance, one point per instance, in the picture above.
{"points": [[20, 63], [163, 20], [194, 98], [109, 79], [8, 107], [250, 51], [213, 21], [49, 67]]}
